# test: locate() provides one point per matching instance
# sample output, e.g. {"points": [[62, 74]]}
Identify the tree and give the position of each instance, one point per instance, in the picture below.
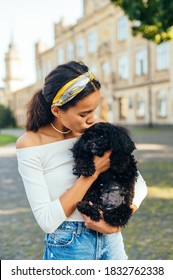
{"points": [[6, 117], [152, 18]]}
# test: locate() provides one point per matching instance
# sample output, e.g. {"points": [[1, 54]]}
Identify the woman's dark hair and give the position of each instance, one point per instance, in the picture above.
{"points": [[39, 108]]}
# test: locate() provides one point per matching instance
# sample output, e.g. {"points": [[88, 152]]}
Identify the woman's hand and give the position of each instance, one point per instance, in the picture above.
{"points": [[134, 208], [100, 226], [102, 163]]}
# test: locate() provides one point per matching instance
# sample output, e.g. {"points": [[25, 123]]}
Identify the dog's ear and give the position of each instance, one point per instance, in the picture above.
{"points": [[78, 148], [83, 160], [128, 145], [121, 140], [83, 166]]}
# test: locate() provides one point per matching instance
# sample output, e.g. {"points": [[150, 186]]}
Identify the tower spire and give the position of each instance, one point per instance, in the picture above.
{"points": [[13, 71]]}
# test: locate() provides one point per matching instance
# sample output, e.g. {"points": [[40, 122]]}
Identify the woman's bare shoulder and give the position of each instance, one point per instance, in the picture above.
{"points": [[29, 139]]}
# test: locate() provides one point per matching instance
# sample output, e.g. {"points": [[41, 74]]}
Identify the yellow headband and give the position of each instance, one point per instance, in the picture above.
{"points": [[72, 88]]}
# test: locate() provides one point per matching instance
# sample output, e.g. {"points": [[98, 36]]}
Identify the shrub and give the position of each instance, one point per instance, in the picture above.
{"points": [[6, 117]]}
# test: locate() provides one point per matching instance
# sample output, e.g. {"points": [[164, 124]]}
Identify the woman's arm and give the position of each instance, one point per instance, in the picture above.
{"points": [[50, 214], [79, 189]]}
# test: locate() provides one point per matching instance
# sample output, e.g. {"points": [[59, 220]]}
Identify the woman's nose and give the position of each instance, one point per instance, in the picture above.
{"points": [[91, 120]]}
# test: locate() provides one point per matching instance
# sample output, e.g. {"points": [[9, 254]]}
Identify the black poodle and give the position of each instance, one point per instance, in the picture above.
{"points": [[111, 195]]}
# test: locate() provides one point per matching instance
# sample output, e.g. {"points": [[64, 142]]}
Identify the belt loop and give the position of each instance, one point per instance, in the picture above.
{"points": [[79, 228]]}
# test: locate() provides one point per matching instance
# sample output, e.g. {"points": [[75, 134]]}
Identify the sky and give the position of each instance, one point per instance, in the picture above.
{"points": [[29, 21]]}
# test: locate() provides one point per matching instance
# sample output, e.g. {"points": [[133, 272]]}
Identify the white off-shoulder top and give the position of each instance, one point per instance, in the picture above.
{"points": [[46, 172]]}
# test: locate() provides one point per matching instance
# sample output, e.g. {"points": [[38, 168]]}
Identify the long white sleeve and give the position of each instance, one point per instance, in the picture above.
{"points": [[46, 172], [140, 191], [49, 214]]}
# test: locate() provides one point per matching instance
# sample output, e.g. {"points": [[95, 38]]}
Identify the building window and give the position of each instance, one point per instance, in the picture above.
{"points": [[123, 108], [106, 68], [122, 28], [60, 56], [70, 51], [141, 62], [130, 102], [92, 46], [140, 108], [161, 104], [80, 47], [123, 67], [162, 108], [162, 56]]}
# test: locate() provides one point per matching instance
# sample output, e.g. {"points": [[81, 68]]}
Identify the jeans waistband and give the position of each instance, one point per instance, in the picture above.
{"points": [[78, 227]]}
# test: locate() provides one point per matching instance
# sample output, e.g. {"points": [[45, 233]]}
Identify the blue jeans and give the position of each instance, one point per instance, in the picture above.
{"points": [[73, 241]]}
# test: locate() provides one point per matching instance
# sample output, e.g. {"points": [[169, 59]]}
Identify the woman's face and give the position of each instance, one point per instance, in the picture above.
{"points": [[81, 116]]}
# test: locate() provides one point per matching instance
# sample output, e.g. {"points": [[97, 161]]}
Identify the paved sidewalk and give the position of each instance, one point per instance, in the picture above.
{"points": [[12, 131], [154, 147], [20, 236], [19, 233]]}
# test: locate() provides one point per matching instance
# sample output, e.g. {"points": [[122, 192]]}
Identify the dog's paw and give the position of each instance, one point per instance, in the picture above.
{"points": [[88, 172], [89, 209], [95, 214], [119, 216], [84, 171]]}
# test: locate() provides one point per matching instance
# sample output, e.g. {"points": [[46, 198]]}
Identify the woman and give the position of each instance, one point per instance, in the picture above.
{"points": [[56, 116]]}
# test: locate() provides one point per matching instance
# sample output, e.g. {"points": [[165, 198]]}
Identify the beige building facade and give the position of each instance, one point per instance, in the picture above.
{"points": [[136, 75]]}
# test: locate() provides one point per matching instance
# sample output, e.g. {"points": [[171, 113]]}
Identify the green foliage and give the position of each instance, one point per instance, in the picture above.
{"points": [[152, 18], [6, 117], [6, 139]]}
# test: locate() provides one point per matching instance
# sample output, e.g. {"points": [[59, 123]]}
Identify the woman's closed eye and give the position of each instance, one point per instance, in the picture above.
{"points": [[83, 115]]}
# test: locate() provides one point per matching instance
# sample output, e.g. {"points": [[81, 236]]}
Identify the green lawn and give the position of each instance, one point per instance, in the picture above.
{"points": [[149, 233], [148, 130], [6, 139], [158, 174]]}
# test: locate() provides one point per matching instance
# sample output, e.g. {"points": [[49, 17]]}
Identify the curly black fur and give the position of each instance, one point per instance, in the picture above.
{"points": [[113, 191]]}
